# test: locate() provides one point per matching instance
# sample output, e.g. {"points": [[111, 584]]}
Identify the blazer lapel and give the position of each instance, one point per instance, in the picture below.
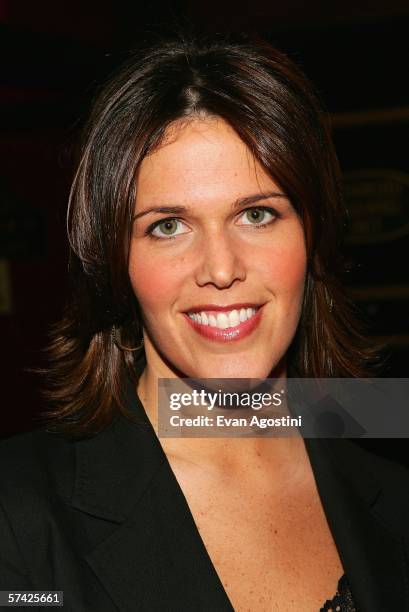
{"points": [[154, 558], [365, 499]]}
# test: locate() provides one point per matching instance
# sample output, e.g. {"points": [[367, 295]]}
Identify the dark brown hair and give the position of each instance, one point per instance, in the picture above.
{"points": [[266, 98]]}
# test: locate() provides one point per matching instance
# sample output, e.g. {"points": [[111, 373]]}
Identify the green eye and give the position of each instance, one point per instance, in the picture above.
{"points": [[255, 214], [166, 228], [260, 217]]}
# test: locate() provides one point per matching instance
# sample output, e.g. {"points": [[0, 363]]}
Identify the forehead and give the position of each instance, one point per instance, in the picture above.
{"points": [[201, 155]]}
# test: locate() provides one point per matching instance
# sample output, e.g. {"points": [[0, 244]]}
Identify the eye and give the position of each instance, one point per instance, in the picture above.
{"points": [[255, 216], [165, 228]]}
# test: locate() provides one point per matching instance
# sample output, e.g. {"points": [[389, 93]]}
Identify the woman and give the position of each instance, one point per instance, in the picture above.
{"points": [[204, 229]]}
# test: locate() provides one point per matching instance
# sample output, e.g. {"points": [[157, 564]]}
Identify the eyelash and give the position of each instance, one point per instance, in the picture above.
{"points": [[150, 229]]}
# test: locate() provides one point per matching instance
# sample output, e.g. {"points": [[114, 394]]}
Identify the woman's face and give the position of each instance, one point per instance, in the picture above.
{"points": [[232, 254]]}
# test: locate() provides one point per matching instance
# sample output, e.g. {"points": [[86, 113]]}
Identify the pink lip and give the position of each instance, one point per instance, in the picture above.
{"points": [[230, 334]]}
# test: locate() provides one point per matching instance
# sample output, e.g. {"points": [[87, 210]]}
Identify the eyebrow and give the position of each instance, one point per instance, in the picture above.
{"points": [[251, 199]]}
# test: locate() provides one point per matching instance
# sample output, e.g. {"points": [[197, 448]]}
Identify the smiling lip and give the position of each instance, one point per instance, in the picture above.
{"points": [[230, 334], [210, 307]]}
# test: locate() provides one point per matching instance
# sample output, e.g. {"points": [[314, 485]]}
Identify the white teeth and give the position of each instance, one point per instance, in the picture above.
{"points": [[234, 318], [223, 320], [212, 321], [243, 315]]}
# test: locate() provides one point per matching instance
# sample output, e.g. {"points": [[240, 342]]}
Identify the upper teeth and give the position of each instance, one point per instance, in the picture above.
{"points": [[223, 320]]}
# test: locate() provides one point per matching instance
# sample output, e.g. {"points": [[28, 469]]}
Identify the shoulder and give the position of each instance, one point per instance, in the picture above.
{"points": [[382, 458], [36, 472], [386, 459], [377, 471], [36, 461]]}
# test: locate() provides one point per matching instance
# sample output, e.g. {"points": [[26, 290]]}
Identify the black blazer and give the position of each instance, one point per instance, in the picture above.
{"points": [[104, 520]]}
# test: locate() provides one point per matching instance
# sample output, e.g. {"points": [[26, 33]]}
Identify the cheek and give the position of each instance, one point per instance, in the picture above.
{"points": [[155, 285], [286, 266]]}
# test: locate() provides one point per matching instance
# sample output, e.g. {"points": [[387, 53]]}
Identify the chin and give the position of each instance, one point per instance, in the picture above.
{"points": [[232, 370], [225, 366]]}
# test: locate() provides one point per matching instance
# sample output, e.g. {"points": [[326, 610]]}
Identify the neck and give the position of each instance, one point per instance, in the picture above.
{"points": [[233, 454]]}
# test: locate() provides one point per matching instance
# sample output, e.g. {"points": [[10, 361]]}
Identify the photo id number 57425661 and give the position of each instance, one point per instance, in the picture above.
{"points": [[31, 598]]}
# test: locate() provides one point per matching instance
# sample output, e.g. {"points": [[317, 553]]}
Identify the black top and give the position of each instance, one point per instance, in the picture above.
{"points": [[104, 520], [343, 601]]}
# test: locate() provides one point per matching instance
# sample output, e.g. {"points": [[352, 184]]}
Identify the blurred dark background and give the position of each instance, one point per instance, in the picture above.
{"points": [[53, 56]]}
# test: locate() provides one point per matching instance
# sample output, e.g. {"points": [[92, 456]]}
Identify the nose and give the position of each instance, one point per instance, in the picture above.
{"points": [[221, 261]]}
